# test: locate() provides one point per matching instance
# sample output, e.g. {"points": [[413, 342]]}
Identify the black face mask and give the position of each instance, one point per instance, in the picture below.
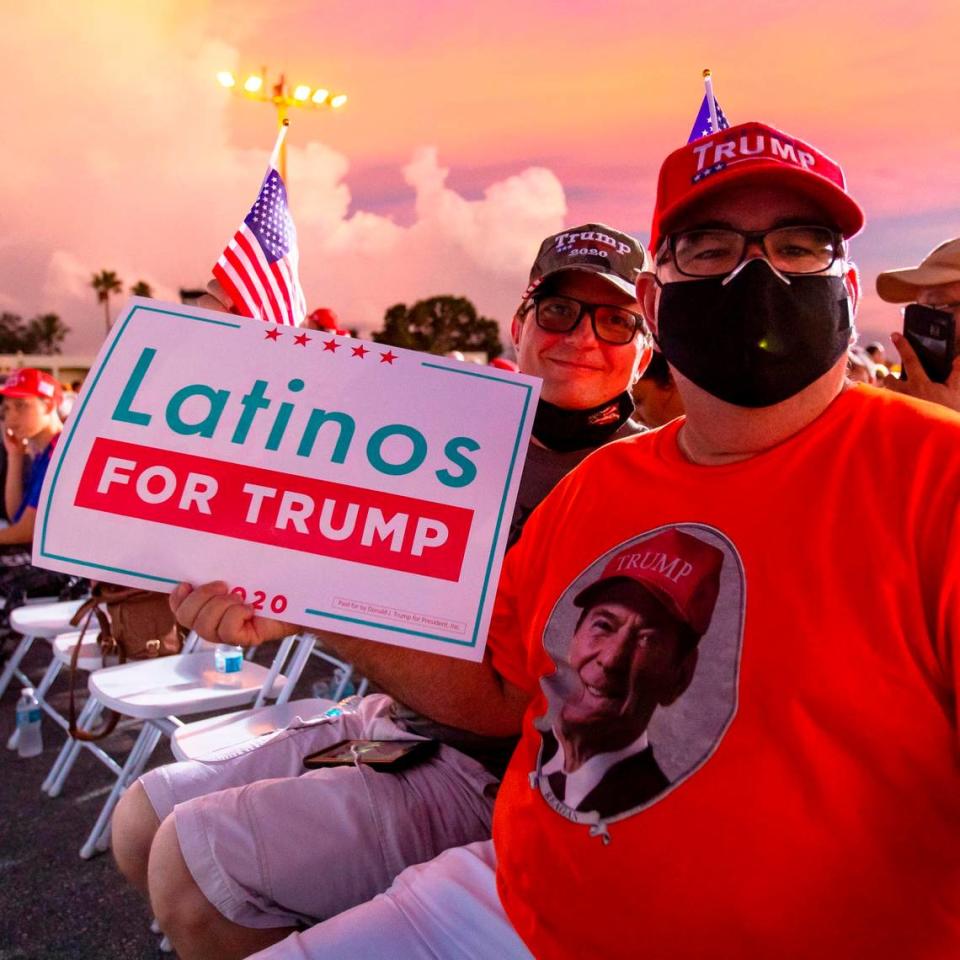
{"points": [[565, 430], [756, 340]]}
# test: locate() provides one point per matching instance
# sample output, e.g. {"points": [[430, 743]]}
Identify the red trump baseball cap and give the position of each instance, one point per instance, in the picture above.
{"points": [[30, 382], [750, 153], [677, 568]]}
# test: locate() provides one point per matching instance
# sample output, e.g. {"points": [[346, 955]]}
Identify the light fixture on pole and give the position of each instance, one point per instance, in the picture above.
{"points": [[256, 87]]}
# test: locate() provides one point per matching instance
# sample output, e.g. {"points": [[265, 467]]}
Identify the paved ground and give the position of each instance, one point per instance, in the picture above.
{"points": [[53, 905]]}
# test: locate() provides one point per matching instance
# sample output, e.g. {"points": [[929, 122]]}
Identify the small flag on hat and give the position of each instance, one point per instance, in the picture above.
{"points": [[710, 119], [259, 267]]}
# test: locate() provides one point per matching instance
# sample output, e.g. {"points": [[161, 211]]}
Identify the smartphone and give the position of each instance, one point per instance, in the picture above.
{"points": [[932, 334], [379, 754]]}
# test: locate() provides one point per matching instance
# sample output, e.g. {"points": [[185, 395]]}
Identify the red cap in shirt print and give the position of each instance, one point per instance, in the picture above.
{"points": [[640, 615]]}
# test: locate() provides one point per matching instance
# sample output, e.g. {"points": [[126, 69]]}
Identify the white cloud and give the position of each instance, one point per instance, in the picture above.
{"points": [[126, 164]]}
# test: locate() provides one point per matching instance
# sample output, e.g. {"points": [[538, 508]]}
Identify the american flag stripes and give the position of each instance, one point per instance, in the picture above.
{"points": [[258, 268]]}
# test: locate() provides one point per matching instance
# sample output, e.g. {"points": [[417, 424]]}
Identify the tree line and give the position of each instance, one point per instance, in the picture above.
{"points": [[438, 325]]}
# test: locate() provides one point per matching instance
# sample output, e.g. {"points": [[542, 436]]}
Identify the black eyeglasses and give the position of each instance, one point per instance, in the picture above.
{"points": [[715, 252], [610, 324]]}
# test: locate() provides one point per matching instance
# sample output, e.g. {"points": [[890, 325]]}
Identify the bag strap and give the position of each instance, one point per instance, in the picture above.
{"points": [[112, 717]]}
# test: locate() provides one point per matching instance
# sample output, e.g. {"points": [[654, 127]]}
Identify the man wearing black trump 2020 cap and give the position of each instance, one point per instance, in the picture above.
{"points": [[221, 893]]}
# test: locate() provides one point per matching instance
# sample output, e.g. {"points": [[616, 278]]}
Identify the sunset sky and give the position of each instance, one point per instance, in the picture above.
{"points": [[472, 131]]}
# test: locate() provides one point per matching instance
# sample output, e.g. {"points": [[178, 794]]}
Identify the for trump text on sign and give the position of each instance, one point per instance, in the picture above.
{"points": [[335, 483]]}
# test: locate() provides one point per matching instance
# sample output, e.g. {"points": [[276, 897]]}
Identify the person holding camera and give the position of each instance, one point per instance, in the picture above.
{"points": [[932, 290]]}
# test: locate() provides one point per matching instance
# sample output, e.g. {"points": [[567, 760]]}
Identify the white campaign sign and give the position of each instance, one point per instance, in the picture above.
{"points": [[336, 483]]}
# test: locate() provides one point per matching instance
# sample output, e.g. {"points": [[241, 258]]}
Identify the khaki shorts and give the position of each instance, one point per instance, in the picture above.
{"points": [[271, 845]]}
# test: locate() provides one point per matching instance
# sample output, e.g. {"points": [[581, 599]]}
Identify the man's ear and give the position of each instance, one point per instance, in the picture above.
{"points": [[646, 353], [516, 325], [647, 298], [851, 280]]}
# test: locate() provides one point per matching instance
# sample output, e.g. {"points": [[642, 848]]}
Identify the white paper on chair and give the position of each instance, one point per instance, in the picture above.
{"points": [[337, 483]]}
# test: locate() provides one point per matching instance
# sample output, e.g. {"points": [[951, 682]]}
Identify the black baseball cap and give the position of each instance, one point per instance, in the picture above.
{"points": [[593, 248]]}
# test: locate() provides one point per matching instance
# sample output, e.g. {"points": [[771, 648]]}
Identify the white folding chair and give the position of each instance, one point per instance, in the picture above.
{"points": [[158, 692], [88, 660], [222, 734], [43, 617]]}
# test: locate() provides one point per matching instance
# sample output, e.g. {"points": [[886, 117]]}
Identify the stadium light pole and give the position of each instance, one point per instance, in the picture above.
{"points": [[257, 88]]}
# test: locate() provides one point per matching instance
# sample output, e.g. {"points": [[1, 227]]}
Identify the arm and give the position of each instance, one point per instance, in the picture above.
{"points": [[472, 696], [13, 487], [21, 531]]}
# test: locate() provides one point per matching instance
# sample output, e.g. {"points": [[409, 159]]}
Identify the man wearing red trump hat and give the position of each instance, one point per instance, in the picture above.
{"points": [[816, 812]]}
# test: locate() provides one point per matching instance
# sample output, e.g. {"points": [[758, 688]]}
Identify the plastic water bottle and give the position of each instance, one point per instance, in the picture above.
{"points": [[29, 734], [228, 659]]}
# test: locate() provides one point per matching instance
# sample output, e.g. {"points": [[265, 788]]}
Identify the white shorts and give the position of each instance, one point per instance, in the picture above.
{"points": [[446, 909], [271, 845]]}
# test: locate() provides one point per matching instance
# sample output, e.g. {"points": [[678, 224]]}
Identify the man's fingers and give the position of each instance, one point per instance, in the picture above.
{"points": [[189, 602], [209, 621], [236, 626], [179, 593], [909, 359], [890, 382]]}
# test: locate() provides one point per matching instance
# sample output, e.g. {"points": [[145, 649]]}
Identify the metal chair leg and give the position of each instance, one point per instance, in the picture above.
{"points": [[69, 752], [136, 761], [13, 664]]}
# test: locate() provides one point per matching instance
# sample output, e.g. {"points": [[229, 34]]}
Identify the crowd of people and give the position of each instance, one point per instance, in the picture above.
{"points": [[685, 738]]}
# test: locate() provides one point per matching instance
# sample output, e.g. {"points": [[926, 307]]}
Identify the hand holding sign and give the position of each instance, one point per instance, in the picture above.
{"points": [[221, 616]]}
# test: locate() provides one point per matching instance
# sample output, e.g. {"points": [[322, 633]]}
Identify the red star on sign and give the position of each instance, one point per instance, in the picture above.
{"points": [[388, 357], [330, 345], [272, 334], [302, 340], [360, 351]]}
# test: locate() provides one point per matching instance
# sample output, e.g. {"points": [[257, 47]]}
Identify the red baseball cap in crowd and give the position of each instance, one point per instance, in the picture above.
{"points": [[30, 382], [323, 318], [677, 568], [751, 153]]}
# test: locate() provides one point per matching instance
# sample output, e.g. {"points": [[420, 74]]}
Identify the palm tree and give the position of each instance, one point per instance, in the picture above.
{"points": [[45, 334], [142, 289], [105, 283]]}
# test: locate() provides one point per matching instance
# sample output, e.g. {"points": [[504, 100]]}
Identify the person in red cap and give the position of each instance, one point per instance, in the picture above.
{"points": [[816, 813], [325, 320], [634, 649], [31, 428]]}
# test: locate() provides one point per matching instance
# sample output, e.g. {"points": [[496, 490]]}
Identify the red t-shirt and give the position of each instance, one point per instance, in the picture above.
{"points": [[800, 794]]}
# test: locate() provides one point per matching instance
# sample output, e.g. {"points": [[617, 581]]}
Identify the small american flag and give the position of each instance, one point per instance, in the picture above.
{"points": [[258, 268], [702, 126]]}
